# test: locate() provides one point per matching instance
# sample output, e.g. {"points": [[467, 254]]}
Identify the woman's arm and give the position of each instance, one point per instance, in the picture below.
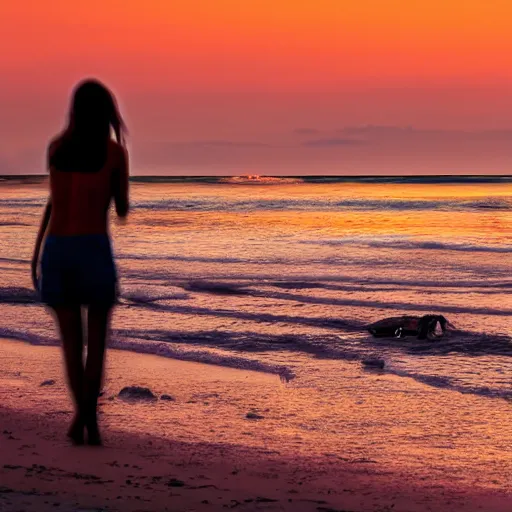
{"points": [[39, 240], [121, 187], [44, 221]]}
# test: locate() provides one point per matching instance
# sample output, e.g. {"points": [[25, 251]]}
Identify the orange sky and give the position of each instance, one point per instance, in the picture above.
{"points": [[251, 72]]}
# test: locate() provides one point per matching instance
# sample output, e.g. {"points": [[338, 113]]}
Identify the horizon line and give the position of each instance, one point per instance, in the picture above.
{"points": [[181, 176]]}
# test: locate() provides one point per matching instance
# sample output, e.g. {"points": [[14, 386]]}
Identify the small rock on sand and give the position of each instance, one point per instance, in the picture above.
{"points": [[174, 482], [136, 393], [374, 363], [49, 382], [254, 416], [167, 397]]}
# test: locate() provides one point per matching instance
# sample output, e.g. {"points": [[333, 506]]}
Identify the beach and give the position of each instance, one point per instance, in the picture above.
{"points": [[247, 303], [287, 225], [200, 451]]}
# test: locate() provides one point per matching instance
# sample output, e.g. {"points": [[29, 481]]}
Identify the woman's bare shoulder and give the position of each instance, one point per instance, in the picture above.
{"points": [[53, 144]]}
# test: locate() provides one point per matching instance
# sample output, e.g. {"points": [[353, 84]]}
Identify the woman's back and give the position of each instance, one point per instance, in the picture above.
{"points": [[81, 200]]}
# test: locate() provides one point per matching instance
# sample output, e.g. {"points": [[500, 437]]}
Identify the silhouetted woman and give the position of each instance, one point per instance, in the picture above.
{"points": [[87, 170]]}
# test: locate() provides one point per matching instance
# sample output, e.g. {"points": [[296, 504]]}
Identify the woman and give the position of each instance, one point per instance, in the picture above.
{"points": [[87, 170]]}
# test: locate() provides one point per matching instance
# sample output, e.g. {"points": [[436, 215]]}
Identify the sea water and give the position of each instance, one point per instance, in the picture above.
{"points": [[283, 274]]}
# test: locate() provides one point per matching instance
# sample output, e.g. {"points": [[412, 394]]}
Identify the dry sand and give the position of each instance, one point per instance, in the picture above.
{"points": [[185, 455]]}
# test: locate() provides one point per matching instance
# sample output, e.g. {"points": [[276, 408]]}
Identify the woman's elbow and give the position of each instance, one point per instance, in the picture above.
{"points": [[122, 209]]}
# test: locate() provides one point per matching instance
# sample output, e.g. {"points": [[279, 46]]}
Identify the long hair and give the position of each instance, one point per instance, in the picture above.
{"points": [[93, 116]]}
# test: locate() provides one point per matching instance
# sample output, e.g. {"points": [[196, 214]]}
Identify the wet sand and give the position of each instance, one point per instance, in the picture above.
{"points": [[199, 451]]}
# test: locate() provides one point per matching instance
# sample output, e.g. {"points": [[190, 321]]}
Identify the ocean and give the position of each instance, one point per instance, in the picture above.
{"points": [[282, 275]]}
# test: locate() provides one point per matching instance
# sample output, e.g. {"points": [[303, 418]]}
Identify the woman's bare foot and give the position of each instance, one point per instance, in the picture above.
{"points": [[76, 431], [93, 432]]}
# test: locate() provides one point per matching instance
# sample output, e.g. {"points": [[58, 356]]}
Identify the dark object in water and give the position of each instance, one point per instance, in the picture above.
{"points": [[401, 326]]}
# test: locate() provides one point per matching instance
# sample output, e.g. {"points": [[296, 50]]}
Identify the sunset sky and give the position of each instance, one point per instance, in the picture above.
{"points": [[269, 86]]}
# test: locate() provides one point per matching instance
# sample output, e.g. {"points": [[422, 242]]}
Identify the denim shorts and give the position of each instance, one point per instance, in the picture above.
{"points": [[78, 270]]}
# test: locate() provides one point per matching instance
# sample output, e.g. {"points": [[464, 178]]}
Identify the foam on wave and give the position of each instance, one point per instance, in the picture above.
{"points": [[296, 204], [350, 347], [449, 383], [231, 361], [124, 341], [17, 295], [22, 202], [402, 243], [255, 179]]}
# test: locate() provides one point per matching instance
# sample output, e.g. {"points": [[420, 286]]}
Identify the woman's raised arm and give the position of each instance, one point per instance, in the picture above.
{"points": [[121, 185]]}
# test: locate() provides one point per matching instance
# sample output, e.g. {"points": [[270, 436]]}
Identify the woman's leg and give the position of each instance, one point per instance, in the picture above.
{"points": [[98, 325], [69, 319]]}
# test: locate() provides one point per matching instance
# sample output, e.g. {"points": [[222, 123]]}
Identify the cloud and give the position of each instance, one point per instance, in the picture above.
{"points": [[388, 132], [380, 130], [219, 144], [306, 131], [366, 149], [329, 143]]}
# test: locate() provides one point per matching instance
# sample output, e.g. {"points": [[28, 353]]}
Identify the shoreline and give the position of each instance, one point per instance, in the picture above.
{"points": [[172, 459]]}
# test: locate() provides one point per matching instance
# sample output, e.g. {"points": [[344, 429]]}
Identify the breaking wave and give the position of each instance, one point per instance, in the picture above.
{"points": [[17, 295], [253, 179], [233, 350], [453, 384], [399, 242], [144, 344], [332, 204], [29, 202]]}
